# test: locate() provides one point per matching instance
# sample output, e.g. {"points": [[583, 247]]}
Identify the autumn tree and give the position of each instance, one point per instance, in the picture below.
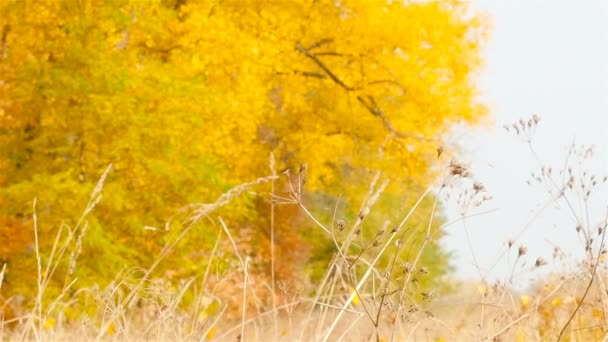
{"points": [[188, 98]]}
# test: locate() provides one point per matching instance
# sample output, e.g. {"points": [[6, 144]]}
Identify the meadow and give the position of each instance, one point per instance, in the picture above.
{"points": [[357, 298]]}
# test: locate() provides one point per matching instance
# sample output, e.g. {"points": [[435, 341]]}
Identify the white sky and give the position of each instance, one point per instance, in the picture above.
{"points": [[548, 58]]}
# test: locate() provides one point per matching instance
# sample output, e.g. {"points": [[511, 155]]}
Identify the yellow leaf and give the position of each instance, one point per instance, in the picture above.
{"points": [[597, 313], [483, 289], [520, 336], [356, 299], [112, 329], [49, 323], [557, 301], [525, 302], [211, 333]]}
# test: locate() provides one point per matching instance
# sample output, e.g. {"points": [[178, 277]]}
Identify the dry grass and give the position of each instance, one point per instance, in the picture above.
{"points": [[356, 299]]}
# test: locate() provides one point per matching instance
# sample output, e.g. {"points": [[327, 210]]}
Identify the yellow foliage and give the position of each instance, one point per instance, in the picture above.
{"points": [[188, 98]]}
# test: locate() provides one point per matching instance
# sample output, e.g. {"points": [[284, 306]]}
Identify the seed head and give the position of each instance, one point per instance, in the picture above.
{"points": [[556, 252], [341, 224], [363, 213], [459, 169], [478, 187], [439, 151], [427, 294], [540, 262], [522, 251]]}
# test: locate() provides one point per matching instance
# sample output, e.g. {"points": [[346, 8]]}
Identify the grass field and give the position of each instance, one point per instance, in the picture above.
{"points": [[364, 303]]}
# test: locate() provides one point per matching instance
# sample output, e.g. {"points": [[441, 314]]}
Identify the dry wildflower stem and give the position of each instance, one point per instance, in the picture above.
{"points": [[36, 320], [38, 308], [593, 275], [369, 270], [2, 275], [273, 172], [244, 303]]}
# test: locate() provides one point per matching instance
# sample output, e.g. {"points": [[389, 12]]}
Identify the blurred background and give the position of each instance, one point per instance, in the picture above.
{"points": [[548, 59]]}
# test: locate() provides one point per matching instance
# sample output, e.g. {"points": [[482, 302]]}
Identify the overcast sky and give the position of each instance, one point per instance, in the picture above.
{"points": [[548, 58]]}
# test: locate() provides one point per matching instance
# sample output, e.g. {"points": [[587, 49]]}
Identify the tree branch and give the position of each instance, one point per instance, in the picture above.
{"points": [[329, 73], [320, 43], [370, 104]]}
